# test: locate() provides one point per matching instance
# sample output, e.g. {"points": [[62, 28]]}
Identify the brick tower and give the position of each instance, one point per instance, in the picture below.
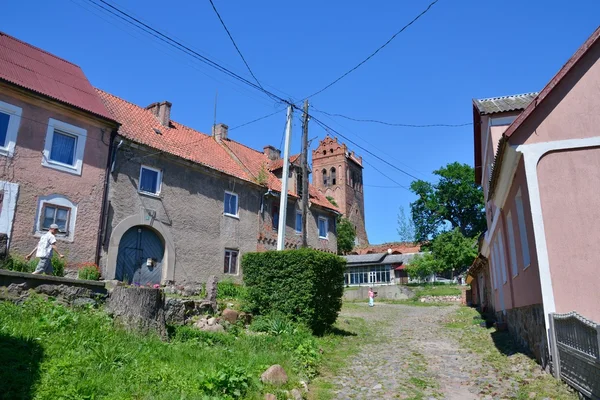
{"points": [[337, 172]]}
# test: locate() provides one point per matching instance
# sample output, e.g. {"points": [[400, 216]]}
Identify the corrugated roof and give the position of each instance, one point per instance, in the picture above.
{"points": [[37, 70], [230, 157], [495, 105], [364, 258]]}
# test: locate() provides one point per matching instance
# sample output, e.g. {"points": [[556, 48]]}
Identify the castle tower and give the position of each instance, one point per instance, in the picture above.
{"points": [[337, 172]]}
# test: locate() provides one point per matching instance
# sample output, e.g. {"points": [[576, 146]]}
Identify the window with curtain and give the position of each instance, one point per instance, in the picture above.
{"points": [[231, 262], [63, 148], [231, 204], [53, 214], [149, 180]]}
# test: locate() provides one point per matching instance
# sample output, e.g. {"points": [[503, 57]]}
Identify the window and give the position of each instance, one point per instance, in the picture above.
{"points": [[323, 228], [298, 222], [275, 216], [333, 177], [325, 181], [522, 230], [231, 262], [495, 264], [511, 245], [502, 257], [10, 119], [299, 183], [231, 204], [150, 180], [59, 210], [64, 147]]}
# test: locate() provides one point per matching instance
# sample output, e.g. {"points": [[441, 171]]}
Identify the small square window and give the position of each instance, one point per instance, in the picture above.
{"points": [[53, 214], [63, 148], [275, 217], [323, 228], [231, 204], [150, 180], [298, 222], [231, 262]]}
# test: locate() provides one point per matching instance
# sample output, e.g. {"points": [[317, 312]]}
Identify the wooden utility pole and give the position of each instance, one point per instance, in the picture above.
{"points": [[284, 182], [305, 194]]}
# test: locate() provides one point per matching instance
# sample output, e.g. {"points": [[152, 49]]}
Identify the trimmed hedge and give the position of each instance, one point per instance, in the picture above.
{"points": [[306, 285]]}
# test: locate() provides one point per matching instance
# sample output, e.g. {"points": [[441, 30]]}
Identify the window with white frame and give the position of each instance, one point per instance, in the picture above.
{"points": [[522, 230], [64, 147], [323, 228], [10, 119], [230, 206], [231, 262], [511, 245], [298, 221], [150, 180], [59, 210], [502, 256]]}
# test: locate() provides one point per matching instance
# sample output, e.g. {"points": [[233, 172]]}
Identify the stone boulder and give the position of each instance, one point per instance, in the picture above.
{"points": [[295, 394], [209, 324], [246, 318], [275, 375], [270, 396], [230, 315]]}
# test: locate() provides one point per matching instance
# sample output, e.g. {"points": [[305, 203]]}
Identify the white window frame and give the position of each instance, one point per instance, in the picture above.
{"points": [[80, 133], [500, 241], [237, 261], [14, 121], [298, 231], [158, 181], [522, 231], [237, 204], [326, 227], [61, 201], [511, 245]]}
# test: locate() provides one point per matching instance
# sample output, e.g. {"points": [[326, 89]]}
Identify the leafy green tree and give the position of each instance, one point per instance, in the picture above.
{"points": [[455, 201], [406, 227], [422, 266], [454, 251], [345, 235]]}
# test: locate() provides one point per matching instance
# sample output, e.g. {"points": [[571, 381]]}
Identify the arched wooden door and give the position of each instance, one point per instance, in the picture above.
{"points": [[140, 257]]}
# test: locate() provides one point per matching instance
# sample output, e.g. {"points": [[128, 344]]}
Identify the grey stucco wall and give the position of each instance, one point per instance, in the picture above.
{"points": [[190, 206]]}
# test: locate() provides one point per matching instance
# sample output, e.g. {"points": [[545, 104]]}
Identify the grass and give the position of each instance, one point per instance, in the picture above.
{"points": [[493, 346], [48, 351], [436, 290]]}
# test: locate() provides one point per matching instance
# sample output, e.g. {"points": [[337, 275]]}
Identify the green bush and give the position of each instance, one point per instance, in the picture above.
{"points": [[305, 285], [274, 324], [18, 264], [88, 271], [227, 289]]}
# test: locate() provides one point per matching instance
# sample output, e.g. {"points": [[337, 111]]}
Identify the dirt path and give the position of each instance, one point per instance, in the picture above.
{"points": [[409, 357]]}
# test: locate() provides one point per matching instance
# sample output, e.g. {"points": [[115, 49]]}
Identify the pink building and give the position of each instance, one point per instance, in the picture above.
{"points": [[55, 135], [537, 157]]}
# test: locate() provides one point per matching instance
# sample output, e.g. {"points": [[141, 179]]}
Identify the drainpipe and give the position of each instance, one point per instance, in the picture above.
{"points": [[104, 211]]}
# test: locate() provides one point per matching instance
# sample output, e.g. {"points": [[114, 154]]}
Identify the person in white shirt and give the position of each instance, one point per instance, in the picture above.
{"points": [[44, 250]]}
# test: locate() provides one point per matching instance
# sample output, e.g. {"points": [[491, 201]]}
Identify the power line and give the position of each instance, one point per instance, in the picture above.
{"points": [[393, 123], [234, 44], [375, 52], [382, 173], [257, 119]]}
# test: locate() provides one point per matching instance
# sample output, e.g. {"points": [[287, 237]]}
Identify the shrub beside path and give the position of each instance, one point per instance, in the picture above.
{"points": [[415, 354]]}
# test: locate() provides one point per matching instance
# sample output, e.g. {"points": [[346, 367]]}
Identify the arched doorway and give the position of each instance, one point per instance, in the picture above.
{"points": [[140, 256]]}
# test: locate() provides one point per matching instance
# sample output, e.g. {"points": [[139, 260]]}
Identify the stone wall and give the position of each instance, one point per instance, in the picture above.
{"points": [[528, 328], [392, 292]]}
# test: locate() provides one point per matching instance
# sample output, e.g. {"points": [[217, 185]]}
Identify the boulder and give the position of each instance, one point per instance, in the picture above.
{"points": [[275, 375], [246, 318], [211, 321], [174, 311], [296, 395], [270, 396], [214, 328], [230, 315]]}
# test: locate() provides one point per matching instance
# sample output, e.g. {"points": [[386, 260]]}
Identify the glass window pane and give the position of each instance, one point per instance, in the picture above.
{"points": [[233, 268], [149, 181], [4, 118], [63, 148], [230, 206], [298, 222], [49, 212], [62, 216], [227, 259]]}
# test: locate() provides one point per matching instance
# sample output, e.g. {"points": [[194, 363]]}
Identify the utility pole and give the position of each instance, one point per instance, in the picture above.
{"points": [[284, 181], [305, 194]]}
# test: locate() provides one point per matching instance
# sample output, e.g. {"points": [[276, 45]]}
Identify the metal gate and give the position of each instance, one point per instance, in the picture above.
{"points": [[575, 344], [140, 257]]}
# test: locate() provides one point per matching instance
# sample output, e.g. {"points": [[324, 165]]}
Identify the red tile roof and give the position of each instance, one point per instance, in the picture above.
{"points": [[403, 248], [228, 156], [37, 70], [274, 165]]}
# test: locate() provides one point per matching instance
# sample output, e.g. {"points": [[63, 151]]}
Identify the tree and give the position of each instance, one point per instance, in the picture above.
{"points": [[455, 201], [345, 235], [422, 266], [454, 251], [406, 227]]}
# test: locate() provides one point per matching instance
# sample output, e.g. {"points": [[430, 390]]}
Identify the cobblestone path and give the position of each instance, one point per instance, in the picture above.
{"points": [[409, 357]]}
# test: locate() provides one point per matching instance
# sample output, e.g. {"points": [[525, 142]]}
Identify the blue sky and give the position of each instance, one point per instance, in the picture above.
{"points": [[461, 49]]}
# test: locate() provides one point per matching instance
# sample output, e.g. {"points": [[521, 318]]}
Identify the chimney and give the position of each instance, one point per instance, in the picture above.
{"points": [[272, 153], [162, 111], [219, 132]]}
